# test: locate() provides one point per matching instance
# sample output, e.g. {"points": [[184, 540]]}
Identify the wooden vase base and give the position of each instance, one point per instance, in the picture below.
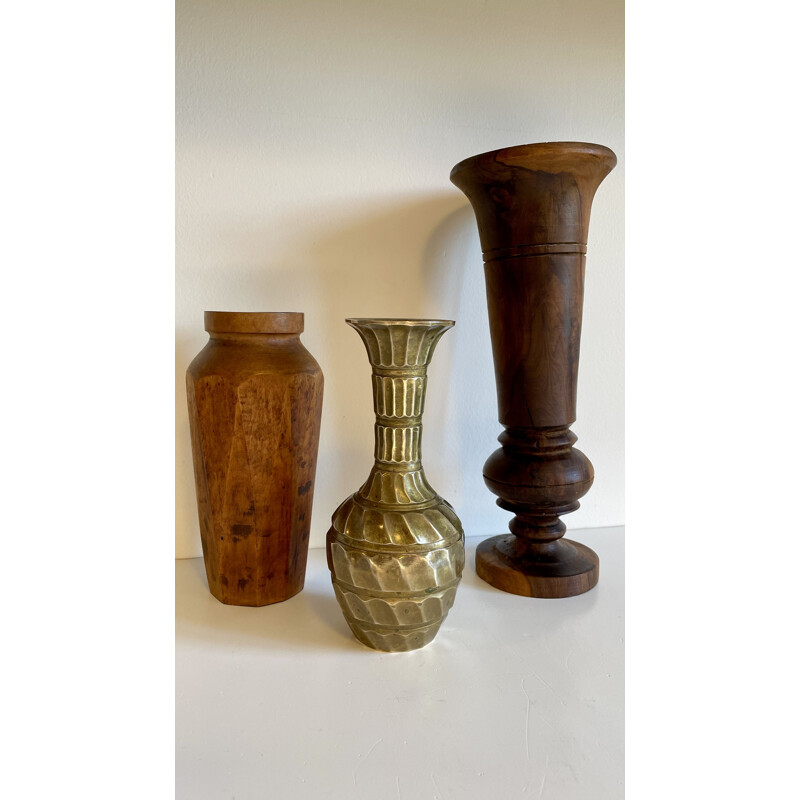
{"points": [[250, 601], [566, 568]]}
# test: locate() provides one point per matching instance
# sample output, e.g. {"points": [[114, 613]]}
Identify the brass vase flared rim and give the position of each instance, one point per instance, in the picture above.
{"points": [[398, 321]]}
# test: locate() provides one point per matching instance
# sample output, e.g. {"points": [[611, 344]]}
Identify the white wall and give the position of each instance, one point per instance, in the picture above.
{"points": [[314, 144]]}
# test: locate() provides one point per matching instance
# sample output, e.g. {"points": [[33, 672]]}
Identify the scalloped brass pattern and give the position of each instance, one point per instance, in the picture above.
{"points": [[395, 547], [397, 488]]}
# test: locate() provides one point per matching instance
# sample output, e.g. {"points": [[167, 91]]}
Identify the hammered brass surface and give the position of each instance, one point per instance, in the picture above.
{"points": [[395, 547]]}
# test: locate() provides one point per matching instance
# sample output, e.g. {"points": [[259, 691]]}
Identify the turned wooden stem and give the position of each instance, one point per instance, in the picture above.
{"points": [[532, 205]]}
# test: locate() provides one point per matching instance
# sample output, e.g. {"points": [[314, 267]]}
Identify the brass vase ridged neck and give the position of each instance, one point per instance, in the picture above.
{"points": [[396, 548]]}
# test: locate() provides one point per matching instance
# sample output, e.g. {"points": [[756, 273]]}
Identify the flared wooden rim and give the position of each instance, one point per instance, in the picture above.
{"points": [[543, 151]]}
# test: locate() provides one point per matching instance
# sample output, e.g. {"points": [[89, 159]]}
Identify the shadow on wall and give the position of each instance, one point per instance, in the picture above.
{"points": [[187, 527], [415, 259]]}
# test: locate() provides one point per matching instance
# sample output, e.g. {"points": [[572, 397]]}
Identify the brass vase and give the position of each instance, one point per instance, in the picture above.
{"points": [[396, 548]]}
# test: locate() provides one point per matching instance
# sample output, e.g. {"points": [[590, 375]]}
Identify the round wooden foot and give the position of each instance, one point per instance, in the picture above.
{"points": [[563, 569]]}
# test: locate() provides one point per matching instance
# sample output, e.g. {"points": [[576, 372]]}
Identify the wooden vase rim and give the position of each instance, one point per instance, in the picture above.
{"points": [[280, 322], [538, 156]]}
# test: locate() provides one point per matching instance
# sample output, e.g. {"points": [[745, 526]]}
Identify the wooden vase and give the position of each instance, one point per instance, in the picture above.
{"points": [[532, 207], [255, 401]]}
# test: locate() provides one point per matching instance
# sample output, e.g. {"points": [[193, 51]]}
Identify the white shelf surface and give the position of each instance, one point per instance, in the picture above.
{"points": [[515, 698]]}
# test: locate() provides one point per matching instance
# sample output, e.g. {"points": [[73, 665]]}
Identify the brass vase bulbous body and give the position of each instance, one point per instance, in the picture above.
{"points": [[396, 548]]}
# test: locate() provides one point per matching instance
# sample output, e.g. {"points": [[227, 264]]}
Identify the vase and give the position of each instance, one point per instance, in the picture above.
{"points": [[532, 207], [396, 548], [255, 400]]}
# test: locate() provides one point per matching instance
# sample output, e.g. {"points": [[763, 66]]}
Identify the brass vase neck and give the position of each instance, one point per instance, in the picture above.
{"points": [[399, 352]]}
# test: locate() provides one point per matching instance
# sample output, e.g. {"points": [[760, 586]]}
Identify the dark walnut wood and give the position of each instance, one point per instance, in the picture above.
{"points": [[532, 206], [255, 400]]}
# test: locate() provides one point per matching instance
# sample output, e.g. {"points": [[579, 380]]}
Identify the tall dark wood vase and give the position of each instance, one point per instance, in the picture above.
{"points": [[532, 206], [255, 400]]}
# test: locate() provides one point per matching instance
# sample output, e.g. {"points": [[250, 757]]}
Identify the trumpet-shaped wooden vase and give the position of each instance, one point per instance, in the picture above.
{"points": [[532, 206]]}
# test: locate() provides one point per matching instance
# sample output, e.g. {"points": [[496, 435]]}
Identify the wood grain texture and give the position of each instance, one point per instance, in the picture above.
{"points": [[255, 402], [532, 204]]}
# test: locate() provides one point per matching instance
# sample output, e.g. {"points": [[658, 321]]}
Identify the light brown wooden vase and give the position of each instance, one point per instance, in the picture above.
{"points": [[255, 401], [532, 206]]}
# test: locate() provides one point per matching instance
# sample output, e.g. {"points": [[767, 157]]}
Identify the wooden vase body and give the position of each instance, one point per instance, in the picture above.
{"points": [[255, 401], [532, 205]]}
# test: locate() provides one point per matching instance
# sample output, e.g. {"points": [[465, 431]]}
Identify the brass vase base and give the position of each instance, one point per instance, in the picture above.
{"points": [[394, 642], [559, 569], [407, 629]]}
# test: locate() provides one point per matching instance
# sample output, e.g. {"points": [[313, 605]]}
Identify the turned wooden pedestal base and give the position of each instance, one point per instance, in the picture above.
{"points": [[559, 569]]}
